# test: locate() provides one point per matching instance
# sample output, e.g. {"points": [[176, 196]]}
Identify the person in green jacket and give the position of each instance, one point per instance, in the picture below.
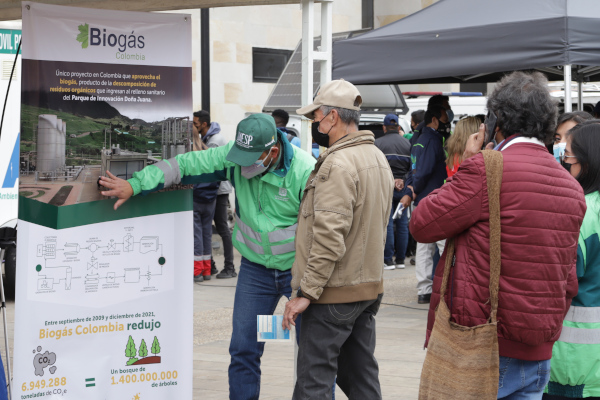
{"points": [[269, 176], [575, 364]]}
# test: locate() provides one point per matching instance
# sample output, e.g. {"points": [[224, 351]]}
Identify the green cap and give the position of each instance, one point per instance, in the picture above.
{"points": [[254, 135]]}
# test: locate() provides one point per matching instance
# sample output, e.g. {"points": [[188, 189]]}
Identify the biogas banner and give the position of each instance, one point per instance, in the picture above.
{"points": [[103, 298], [9, 141]]}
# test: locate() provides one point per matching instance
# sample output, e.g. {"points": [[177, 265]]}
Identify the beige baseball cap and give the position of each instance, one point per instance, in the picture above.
{"points": [[338, 93]]}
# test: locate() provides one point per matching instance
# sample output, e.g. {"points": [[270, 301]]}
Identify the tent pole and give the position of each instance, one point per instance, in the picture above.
{"points": [[309, 55], [568, 100], [579, 91], [308, 27], [326, 40]]}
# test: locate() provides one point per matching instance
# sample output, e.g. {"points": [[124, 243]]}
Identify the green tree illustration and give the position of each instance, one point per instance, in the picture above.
{"points": [[130, 351], [143, 349], [155, 346], [83, 36]]}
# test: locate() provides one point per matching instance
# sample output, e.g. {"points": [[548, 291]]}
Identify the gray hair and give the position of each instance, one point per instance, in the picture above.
{"points": [[523, 105], [347, 116]]}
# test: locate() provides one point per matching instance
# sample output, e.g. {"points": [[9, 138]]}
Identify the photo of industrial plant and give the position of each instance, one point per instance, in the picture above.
{"points": [[67, 145]]}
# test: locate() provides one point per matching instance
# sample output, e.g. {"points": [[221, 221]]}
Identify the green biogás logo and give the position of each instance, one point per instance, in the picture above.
{"points": [[90, 36], [83, 35]]}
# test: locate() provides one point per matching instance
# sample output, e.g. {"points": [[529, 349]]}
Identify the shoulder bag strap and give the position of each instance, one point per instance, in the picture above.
{"points": [[447, 267], [494, 164], [493, 169]]}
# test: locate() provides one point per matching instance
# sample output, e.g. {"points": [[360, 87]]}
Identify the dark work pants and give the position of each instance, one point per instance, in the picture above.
{"points": [[203, 216], [338, 339], [223, 229]]}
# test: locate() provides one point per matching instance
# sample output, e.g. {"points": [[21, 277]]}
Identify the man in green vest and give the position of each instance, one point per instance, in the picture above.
{"points": [[269, 176]]}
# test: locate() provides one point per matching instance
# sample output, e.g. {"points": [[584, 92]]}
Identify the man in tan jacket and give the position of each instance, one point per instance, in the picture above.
{"points": [[337, 276]]}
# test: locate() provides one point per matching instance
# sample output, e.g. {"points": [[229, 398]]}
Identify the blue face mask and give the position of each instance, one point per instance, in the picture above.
{"points": [[559, 150], [257, 168], [450, 114]]}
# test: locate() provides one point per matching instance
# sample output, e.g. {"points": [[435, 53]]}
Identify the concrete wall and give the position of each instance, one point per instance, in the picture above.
{"points": [[387, 11], [235, 31]]}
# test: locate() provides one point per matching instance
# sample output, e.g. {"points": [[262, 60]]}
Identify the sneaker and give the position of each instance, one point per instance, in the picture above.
{"points": [[389, 264], [213, 267], [413, 262], [198, 278], [226, 274], [207, 277], [400, 264]]}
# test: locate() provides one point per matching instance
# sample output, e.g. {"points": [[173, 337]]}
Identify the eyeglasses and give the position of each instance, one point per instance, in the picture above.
{"points": [[564, 157]]}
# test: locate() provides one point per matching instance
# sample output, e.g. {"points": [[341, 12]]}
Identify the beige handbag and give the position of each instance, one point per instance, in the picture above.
{"points": [[462, 362]]}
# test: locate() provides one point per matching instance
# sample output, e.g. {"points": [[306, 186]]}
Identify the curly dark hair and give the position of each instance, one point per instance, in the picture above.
{"points": [[523, 105]]}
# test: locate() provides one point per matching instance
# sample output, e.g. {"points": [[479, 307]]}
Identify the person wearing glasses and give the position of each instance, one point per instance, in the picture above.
{"points": [[565, 122], [575, 364]]}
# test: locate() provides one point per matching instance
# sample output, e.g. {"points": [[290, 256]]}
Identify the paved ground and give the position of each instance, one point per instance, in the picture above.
{"points": [[400, 336]]}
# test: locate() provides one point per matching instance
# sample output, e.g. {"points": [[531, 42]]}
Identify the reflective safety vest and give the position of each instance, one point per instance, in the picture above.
{"points": [[266, 242], [266, 207], [575, 370]]}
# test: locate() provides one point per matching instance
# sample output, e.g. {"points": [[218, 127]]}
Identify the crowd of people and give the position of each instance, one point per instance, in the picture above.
{"points": [[320, 229]]}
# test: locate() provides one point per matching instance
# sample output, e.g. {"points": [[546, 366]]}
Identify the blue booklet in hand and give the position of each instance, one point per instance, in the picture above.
{"points": [[269, 329]]}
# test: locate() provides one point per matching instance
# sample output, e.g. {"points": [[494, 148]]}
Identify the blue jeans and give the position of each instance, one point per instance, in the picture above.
{"points": [[257, 293], [401, 238], [522, 380], [388, 250], [397, 233]]}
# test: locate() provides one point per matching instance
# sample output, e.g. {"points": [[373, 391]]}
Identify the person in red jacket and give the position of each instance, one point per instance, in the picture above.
{"points": [[542, 208], [455, 146]]}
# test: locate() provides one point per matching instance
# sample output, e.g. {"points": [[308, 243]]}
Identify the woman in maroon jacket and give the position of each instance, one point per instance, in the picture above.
{"points": [[542, 208]]}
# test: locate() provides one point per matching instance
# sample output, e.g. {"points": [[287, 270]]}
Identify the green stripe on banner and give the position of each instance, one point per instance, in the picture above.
{"points": [[95, 212], [90, 385]]}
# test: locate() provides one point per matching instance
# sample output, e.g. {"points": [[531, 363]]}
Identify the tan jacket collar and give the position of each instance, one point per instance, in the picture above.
{"points": [[351, 139]]}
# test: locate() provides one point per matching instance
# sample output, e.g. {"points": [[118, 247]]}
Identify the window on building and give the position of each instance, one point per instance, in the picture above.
{"points": [[368, 14], [268, 64]]}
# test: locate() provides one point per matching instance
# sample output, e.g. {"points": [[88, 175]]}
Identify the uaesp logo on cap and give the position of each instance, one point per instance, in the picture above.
{"points": [[244, 140], [271, 143]]}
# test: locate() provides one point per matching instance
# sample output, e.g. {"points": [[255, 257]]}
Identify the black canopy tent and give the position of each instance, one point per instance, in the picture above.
{"points": [[477, 41]]}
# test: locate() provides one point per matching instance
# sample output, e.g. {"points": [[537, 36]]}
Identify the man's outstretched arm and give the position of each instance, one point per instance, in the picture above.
{"points": [[193, 167]]}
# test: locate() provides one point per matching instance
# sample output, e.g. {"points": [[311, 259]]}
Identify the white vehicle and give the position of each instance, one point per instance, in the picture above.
{"points": [[590, 95], [10, 35]]}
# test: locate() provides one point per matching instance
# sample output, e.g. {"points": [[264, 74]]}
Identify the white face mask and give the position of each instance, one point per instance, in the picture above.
{"points": [[257, 168], [559, 150]]}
